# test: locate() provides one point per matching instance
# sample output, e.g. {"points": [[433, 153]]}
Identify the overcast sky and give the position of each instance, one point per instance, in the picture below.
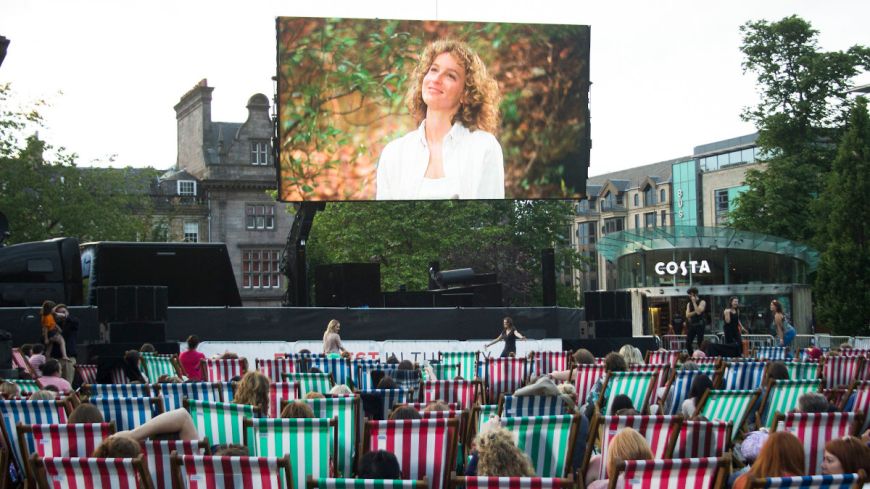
{"points": [[666, 75]]}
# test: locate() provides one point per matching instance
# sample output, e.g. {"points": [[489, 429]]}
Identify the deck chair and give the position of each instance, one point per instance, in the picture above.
{"points": [[697, 439], [20, 361], [463, 392], [339, 368], [408, 380], [26, 386], [584, 377], [370, 375], [61, 440], [275, 368], [174, 394], [782, 396], [310, 444], [840, 371], [361, 371], [467, 361], [770, 353], [155, 366], [280, 392], [669, 357], [518, 406], [220, 422], [425, 448], [27, 412], [379, 403], [128, 412], [321, 382], [503, 376], [816, 429], [638, 386], [117, 390], [862, 402], [547, 440], [157, 456], [743, 375], [729, 406], [481, 482], [87, 373], [216, 472], [347, 411], [678, 389], [839, 481], [837, 397], [657, 429], [420, 406], [706, 472], [90, 473], [550, 361], [802, 370], [214, 370], [480, 414], [445, 371], [348, 483], [662, 371]]}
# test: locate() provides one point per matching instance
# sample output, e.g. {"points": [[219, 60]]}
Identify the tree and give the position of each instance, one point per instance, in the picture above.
{"points": [[45, 198], [843, 279], [505, 237], [802, 109]]}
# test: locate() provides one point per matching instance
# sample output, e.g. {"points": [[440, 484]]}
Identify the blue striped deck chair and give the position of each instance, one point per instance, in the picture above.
{"points": [[770, 353], [118, 390], [321, 383], [173, 394], [28, 413], [741, 376], [301, 360], [154, 366], [838, 481], [678, 390], [220, 422], [802, 370], [338, 367], [379, 372], [378, 403], [361, 368], [128, 412], [309, 442], [347, 410], [518, 406], [227, 389], [547, 440], [467, 361]]}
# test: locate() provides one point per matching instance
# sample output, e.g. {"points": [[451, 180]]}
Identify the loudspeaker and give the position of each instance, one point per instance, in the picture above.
{"points": [[5, 349], [622, 306], [612, 328], [592, 305], [348, 285], [137, 332], [548, 276], [132, 303], [608, 306]]}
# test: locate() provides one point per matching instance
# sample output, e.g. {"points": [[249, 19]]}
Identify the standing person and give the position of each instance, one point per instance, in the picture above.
{"points": [[785, 332], [509, 334], [69, 325], [733, 327], [695, 317], [190, 359], [51, 332], [331, 340]]}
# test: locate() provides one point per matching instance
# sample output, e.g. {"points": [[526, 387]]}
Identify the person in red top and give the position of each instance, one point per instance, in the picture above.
{"points": [[190, 359], [51, 332]]}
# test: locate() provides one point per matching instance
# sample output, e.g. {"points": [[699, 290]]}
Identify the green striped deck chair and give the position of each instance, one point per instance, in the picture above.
{"points": [[727, 405], [480, 414], [321, 382], [444, 371], [365, 484], [155, 366], [347, 410], [638, 386], [309, 442], [782, 396], [802, 370], [547, 440], [27, 386], [220, 422], [467, 361]]}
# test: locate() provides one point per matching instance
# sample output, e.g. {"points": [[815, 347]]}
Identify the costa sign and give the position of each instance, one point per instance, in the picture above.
{"points": [[683, 267]]}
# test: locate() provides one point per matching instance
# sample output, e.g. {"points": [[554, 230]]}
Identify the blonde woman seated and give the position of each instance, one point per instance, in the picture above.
{"points": [[496, 455], [628, 444]]}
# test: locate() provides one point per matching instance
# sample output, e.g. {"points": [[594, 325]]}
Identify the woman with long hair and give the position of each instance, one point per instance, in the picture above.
{"points": [[509, 335], [846, 455], [781, 456], [785, 332], [254, 391], [733, 327], [498, 455], [628, 444], [700, 384], [331, 340], [453, 152]]}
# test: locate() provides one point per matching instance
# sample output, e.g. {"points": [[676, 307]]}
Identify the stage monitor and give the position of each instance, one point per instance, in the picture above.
{"points": [[506, 110]]}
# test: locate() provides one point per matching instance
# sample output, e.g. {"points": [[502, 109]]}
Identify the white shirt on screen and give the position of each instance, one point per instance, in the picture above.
{"points": [[473, 166]]}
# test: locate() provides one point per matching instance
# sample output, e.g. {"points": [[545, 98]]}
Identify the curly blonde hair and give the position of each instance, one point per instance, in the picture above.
{"points": [[498, 456], [254, 390], [481, 97]]}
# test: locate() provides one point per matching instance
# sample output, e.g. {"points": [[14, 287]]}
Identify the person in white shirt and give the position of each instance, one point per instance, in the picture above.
{"points": [[453, 154]]}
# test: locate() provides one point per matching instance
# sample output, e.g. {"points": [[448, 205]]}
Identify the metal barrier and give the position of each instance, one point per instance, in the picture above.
{"points": [[862, 342], [801, 342], [827, 341], [678, 341], [759, 340]]}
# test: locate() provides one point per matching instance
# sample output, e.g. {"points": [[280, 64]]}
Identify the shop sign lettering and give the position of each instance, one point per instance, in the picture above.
{"points": [[683, 267]]}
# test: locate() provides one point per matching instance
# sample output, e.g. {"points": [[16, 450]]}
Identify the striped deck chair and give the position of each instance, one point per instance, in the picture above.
{"points": [[862, 402], [128, 412], [706, 361], [174, 394], [408, 380], [309, 443], [854, 352], [840, 371], [216, 472], [662, 371], [379, 403], [87, 373], [321, 382], [480, 414], [61, 440], [20, 361], [678, 390], [802, 370], [638, 386], [816, 429], [155, 366], [585, 377], [118, 376], [227, 390], [657, 429], [275, 368], [118, 390], [445, 371], [697, 439], [26, 386], [518, 406], [839, 481], [741, 376], [463, 392], [158, 452], [220, 422], [280, 392], [90, 473], [461, 416], [729, 406], [481, 482], [677, 472], [467, 361], [339, 368], [347, 483], [837, 397], [420, 406], [503, 376], [782, 396], [669, 357], [770, 353], [425, 448], [347, 410], [547, 440], [214, 370], [550, 361], [361, 369], [379, 372], [28, 413]]}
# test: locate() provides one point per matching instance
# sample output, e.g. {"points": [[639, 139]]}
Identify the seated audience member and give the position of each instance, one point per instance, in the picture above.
{"points": [[118, 446], [544, 386], [85, 413], [700, 385], [631, 355], [813, 402], [392, 360], [379, 464], [404, 411], [169, 379], [147, 348], [846, 455], [340, 390], [232, 450], [43, 395], [131, 368], [314, 395], [190, 358], [26, 350], [9, 390], [406, 365], [781, 456], [613, 362], [297, 409], [774, 371], [51, 376], [628, 444], [498, 456], [749, 451], [387, 383], [253, 390], [176, 422], [38, 358], [437, 405], [621, 402]]}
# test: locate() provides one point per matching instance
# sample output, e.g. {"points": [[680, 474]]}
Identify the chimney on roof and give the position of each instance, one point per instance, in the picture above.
{"points": [[193, 117]]}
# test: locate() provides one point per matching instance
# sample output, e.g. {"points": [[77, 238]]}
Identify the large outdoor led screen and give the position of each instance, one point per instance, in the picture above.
{"points": [[414, 110]]}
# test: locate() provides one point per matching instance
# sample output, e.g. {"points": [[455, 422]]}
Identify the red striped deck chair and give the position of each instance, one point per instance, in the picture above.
{"points": [[840, 371], [669, 357], [119, 376], [816, 429], [741, 376], [347, 483], [698, 473], [696, 439], [158, 452], [730, 406], [280, 392], [275, 368], [214, 370], [599, 360], [662, 371], [551, 361], [866, 374], [585, 377], [547, 440], [657, 429], [839, 481], [503, 376], [216, 472], [20, 361], [638, 386], [782, 396], [481, 482], [28, 413], [862, 402], [463, 392], [837, 397], [91, 473], [310, 443], [87, 373], [424, 447], [854, 352], [461, 416], [61, 440]]}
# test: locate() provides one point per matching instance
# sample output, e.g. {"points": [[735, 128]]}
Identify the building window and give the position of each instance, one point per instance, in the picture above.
{"points": [[649, 219], [260, 269], [259, 217], [636, 200], [662, 196], [664, 218], [613, 225], [191, 232], [721, 207], [637, 221], [611, 202], [586, 233], [186, 187], [259, 152], [649, 196]]}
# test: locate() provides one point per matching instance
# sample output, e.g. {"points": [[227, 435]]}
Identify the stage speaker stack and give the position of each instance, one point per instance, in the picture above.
{"points": [[608, 314], [134, 314], [348, 285], [548, 276]]}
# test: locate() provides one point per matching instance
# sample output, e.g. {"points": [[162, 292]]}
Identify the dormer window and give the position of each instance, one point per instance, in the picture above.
{"points": [[187, 187], [259, 152]]}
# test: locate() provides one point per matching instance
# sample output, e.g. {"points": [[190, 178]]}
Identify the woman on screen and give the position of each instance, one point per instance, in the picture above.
{"points": [[453, 153]]}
